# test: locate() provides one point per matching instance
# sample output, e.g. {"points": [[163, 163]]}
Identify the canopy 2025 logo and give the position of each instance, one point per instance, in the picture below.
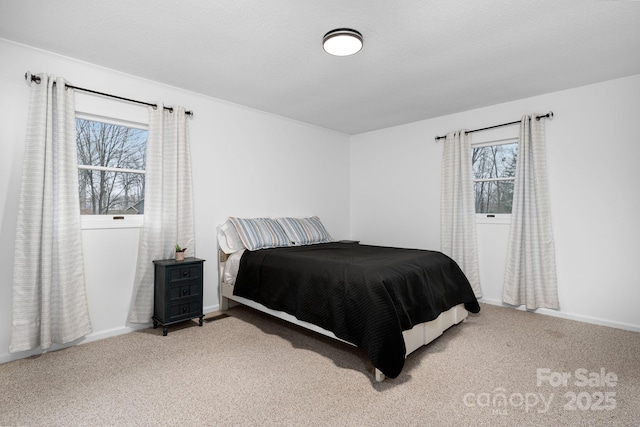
{"points": [[594, 393]]}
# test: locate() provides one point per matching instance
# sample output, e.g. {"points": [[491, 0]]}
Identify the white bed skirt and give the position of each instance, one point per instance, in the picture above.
{"points": [[414, 338]]}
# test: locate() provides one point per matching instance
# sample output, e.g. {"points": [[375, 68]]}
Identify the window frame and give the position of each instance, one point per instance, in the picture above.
{"points": [[494, 218], [97, 222]]}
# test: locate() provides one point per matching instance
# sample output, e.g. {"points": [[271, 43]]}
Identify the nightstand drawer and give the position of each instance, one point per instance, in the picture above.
{"points": [[187, 272], [185, 290], [186, 310]]}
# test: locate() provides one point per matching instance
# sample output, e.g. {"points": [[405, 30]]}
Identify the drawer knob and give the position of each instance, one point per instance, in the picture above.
{"points": [[185, 273], [184, 309], [185, 291]]}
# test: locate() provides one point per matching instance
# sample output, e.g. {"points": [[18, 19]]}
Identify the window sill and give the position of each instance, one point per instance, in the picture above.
{"points": [[98, 222], [494, 219]]}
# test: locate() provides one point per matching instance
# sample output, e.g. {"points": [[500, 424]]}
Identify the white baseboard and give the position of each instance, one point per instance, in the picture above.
{"points": [[570, 316], [94, 336], [211, 309], [5, 358]]}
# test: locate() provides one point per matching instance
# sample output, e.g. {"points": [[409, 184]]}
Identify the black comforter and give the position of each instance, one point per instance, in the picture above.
{"points": [[366, 295]]}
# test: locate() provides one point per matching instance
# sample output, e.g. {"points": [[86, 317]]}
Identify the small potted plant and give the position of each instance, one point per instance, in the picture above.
{"points": [[180, 253]]}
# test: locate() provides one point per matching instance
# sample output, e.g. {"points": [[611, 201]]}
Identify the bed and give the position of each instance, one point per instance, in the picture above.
{"points": [[386, 301]]}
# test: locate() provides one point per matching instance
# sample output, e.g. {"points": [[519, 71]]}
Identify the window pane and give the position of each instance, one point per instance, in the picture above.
{"points": [[494, 161], [112, 146], [494, 196], [111, 193]]}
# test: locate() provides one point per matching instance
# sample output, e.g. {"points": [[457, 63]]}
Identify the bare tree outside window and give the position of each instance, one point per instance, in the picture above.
{"points": [[111, 164], [494, 169]]}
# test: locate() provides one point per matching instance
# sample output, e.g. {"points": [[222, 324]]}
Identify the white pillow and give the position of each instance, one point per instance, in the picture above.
{"points": [[229, 239]]}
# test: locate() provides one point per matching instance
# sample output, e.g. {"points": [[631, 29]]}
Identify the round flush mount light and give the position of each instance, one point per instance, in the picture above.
{"points": [[342, 42]]}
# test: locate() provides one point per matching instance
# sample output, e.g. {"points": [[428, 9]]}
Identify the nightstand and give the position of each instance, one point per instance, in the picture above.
{"points": [[356, 242], [177, 291]]}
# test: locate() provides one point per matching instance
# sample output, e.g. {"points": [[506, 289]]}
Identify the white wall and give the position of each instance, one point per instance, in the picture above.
{"points": [[382, 187], [593, 152], [245, 163]]}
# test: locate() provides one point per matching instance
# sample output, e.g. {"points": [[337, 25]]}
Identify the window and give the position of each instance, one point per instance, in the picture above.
{"points": [[111, 166], [494, 168]]}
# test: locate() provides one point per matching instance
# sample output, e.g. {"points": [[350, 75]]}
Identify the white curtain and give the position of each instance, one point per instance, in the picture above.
{"points": [[530, 277], [457, 207], [49, 294], [168, 202]]}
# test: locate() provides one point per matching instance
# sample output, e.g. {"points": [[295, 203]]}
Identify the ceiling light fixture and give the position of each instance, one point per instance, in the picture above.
{"points": [[342, 42]]}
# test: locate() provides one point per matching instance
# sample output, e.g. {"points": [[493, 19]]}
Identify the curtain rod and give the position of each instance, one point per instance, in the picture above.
{"points": [[549, 115], [37, 80]]}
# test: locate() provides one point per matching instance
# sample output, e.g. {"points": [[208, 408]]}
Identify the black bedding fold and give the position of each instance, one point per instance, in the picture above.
{"points": [[366, 295]]}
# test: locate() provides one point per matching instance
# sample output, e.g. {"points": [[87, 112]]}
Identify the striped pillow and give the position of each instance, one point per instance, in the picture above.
{"points": [[304, 231], [259, 233]]}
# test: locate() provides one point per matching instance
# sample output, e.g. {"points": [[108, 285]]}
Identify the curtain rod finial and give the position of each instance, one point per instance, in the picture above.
{"points": [[549, 116], [28, 77]]}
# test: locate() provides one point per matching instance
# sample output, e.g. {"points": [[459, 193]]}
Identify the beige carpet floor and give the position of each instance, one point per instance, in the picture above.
{"points": [[502, 367]]}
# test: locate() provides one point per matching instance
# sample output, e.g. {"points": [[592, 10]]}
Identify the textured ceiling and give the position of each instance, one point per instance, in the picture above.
{"points": [[421, 59]]}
